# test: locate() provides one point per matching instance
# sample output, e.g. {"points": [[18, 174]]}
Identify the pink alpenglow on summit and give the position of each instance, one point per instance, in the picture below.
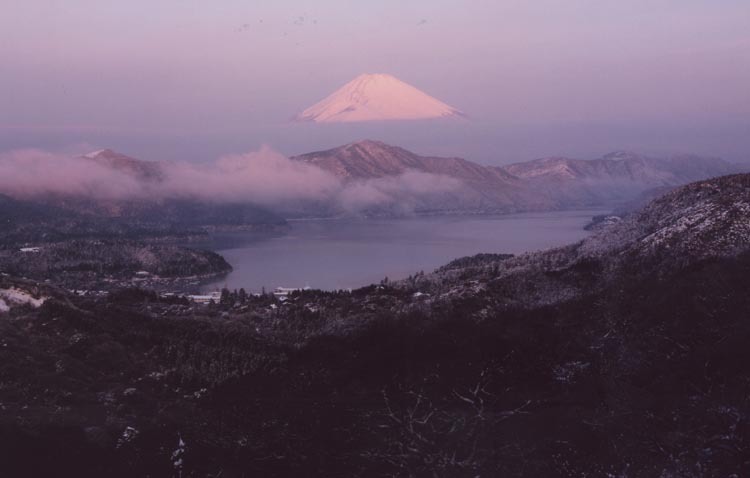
{"points": [[377, 97]]}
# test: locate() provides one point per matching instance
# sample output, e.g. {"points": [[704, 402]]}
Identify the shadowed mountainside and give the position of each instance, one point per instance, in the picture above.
{"points": [[622, 355]]}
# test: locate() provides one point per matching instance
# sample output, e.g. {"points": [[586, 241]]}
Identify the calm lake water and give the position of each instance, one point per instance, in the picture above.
{"points": [[344, 253]]}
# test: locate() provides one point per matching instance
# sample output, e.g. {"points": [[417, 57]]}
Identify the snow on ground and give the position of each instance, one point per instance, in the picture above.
{"points": [[94, 154], [3, 306], [15, 296]]}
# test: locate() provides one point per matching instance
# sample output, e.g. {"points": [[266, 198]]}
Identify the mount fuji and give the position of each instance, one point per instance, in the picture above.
{"points": [[377, 97]]}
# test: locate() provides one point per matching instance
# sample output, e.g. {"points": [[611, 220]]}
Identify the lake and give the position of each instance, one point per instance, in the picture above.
{"points": [[349, 253]]}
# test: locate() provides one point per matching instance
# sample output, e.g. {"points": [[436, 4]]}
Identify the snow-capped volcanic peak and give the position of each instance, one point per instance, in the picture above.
{"points": [[376, 97]]}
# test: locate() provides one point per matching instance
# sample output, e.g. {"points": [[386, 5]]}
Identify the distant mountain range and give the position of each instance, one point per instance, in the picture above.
{"points": [[59, 216], [542, 184], [403, 182], [539, 185], [482, 188]]}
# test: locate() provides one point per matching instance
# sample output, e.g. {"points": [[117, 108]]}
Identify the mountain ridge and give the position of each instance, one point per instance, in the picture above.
{"points": [[151, 171], [541, 184], [411, 183], [699, 222]]}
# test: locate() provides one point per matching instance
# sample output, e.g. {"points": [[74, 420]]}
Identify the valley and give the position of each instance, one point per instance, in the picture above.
{"points": [[97, 241], [335, 239], [463, 320], [620, 353]]}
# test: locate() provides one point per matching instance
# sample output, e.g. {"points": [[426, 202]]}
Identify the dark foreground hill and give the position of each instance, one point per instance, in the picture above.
{"points": [[624, 355]]}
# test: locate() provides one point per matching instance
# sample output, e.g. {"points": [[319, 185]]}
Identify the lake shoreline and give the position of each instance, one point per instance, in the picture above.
{"points": [[343, 253]]}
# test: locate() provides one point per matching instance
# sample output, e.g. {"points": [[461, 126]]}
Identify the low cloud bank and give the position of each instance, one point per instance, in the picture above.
{"points": [[405, 190], [31, 173], [264, 177]]}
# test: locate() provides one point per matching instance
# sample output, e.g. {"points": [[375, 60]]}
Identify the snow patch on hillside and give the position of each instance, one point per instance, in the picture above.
{"points": [[94, 154], [548, 168], [14, 296], [701, 220]]}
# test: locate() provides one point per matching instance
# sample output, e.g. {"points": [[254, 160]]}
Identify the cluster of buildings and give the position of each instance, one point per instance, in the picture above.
{"points": [[280, 293]]}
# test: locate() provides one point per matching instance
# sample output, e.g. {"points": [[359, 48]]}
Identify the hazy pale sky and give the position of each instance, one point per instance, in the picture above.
{"points": [[173, 79]]}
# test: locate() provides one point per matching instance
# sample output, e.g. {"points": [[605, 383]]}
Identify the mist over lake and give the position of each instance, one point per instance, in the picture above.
{"points": [[350, 253]]}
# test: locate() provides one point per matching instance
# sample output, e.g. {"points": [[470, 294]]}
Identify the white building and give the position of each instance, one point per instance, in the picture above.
{"points": [[283, 292], [206, 299]]}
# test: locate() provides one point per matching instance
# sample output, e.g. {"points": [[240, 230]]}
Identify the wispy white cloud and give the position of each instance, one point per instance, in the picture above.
{"points": [[262, 177]]}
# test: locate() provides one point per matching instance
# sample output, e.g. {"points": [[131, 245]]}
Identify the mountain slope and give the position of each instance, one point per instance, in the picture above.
{"points": [[626, 167], [376, 97], [705, 219], [702, 221], [543, 184], [563, 363], [143, 170], [78, 214], [369, 159], [483, 188]]}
